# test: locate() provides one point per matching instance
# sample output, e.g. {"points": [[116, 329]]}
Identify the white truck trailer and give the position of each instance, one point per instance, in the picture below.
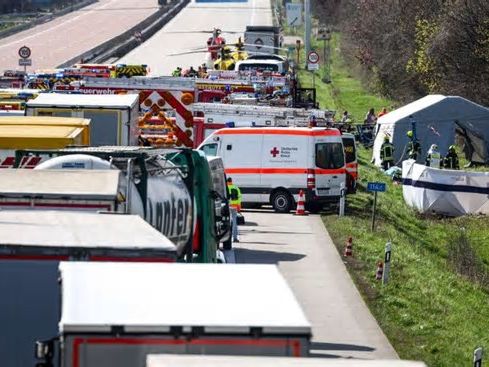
{"points": [[32, 243], [171, 360], [117, 314], [114, 118]]}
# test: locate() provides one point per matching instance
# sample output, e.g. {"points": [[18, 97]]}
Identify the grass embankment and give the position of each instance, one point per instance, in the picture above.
{"points": [[436, 306]]}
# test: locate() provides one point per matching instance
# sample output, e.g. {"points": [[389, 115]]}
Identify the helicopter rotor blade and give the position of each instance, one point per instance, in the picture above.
{"points": [[187, 53]]}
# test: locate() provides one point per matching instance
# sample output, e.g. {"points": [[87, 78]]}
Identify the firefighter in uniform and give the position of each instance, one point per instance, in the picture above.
{"points": [[177, 72], [433, 158], [387, 154], [414, 148], [451, 159], [234, 206]]}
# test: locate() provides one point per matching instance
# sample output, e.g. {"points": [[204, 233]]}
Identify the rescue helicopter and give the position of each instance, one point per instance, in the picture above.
{"points": [[219, 54]]}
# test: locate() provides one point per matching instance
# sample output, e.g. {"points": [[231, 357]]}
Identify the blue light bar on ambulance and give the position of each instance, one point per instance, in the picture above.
{"points": [[230, 124]]}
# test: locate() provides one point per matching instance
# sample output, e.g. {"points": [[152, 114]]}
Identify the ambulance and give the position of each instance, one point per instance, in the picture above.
{"points": [[272, 164]]}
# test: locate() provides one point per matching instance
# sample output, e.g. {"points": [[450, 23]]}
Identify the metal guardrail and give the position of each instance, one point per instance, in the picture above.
{"points": [[125, 42]]}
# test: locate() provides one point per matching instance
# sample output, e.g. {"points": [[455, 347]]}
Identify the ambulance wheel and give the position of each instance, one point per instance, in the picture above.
{"points": [[282, 201]]}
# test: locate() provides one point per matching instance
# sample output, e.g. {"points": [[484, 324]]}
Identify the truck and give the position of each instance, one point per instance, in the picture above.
{"points": [[31, 246], [172, 189], [280, 162], [114, 118], [20, 132], [155, 311], [262, 39], [176, 360]]}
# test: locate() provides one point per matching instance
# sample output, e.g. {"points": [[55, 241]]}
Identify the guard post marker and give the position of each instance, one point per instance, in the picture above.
{"points": [[478, 357], [387, 263], [342, 199]]}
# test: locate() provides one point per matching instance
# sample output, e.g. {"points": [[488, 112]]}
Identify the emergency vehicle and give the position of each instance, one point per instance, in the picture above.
{"points": [[272, 164]]}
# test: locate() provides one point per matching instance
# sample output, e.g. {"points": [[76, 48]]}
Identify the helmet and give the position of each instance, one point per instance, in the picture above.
{"points": [[451, 148], [386, 138], [409, 134], [434, 147]]}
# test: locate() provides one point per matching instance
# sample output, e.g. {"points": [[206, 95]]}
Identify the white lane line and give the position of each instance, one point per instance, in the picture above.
{"points": [[69, 20]]}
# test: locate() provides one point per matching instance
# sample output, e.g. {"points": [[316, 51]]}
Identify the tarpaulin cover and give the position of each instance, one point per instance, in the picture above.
{"points": [[447, 192]]}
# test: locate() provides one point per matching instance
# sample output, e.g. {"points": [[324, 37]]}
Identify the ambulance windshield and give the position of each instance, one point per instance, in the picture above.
{"points": [[330, 155]]}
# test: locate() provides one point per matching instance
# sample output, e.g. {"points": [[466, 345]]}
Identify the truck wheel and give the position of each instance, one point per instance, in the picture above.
{"points": [[282, 201], [228, 245]]}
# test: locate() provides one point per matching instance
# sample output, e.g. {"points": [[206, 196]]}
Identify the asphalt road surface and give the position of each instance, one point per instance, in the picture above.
{"points": [[343, 326], [184, 33], [63, 38]]}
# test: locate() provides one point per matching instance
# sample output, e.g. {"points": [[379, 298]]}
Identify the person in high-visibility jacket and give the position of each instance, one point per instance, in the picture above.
{"points": [[433, 158], [177, 72], [451, 159], [234, 206], [414, 148], [387, 154]]}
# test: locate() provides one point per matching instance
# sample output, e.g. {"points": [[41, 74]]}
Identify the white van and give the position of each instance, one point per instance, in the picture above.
{"points": [[271, 165]]}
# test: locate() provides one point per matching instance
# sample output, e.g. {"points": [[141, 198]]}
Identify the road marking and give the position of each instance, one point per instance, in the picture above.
{"points": [[69, 20]]}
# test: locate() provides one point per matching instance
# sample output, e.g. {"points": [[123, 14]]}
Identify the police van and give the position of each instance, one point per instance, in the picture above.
{"points": [[271, 165]]}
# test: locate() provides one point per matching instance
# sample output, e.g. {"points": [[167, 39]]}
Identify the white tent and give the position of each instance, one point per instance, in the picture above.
{"points": [[437, 119]]}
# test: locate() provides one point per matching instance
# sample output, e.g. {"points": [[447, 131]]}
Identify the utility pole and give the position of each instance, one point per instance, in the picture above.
{"points": [[307, 26]]}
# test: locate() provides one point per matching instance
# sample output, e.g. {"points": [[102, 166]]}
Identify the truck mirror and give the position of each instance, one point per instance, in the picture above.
{"points": [[44, 349]]}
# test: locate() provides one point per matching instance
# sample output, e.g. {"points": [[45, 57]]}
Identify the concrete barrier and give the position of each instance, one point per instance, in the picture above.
{"points": [[125, 42], [44, 19]]}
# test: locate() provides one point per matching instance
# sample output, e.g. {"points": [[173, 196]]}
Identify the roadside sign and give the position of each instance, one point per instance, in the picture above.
{"points": [[294, 14], [25, 52], [376, 186], [313, 57], [312, 66], [25, 62], [324, 34]]}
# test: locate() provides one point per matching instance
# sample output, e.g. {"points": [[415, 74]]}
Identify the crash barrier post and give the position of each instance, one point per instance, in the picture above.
{"points": [[342, 199], [478, 357], [380, 271], [348, 247], [300, 210], [387, 263]]}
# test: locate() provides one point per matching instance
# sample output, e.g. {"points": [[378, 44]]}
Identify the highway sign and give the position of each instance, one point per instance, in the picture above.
{"points": [[313, 57], [25, 62], [376, 186], [294, 14], [25, 52]]}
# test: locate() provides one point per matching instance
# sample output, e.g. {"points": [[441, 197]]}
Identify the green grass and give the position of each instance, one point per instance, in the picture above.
{"points": [[428, 311], [345, 92]]}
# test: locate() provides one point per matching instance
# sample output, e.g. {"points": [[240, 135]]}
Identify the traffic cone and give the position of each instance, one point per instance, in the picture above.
{"points": [[300, 210], [348, 247], [380, 271]]}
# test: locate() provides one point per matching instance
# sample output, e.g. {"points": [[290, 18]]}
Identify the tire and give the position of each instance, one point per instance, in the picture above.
{"points": [[228, 245], [282, 201]]}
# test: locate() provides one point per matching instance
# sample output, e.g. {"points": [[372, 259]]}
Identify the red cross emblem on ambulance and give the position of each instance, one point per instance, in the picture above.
{"points": [[274, 152]]}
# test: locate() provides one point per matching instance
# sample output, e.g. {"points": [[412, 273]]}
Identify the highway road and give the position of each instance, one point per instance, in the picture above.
{"points": [[65, 37], [184, 33], [343, 326]]}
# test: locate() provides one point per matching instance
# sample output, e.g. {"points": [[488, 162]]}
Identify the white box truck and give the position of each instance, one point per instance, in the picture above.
{"points": [[114, 118], [169, 360], [271, 165], [114, 315], [32, 243]]}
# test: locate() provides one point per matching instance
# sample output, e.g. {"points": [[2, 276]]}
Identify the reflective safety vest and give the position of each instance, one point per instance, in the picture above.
{"points": [[387, 152], [234, 196], [413, 149], [434, 160]]}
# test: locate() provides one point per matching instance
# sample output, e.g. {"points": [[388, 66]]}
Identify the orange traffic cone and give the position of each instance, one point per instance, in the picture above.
{"points": [[380, 271], [348, 247], [300, 210]]}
